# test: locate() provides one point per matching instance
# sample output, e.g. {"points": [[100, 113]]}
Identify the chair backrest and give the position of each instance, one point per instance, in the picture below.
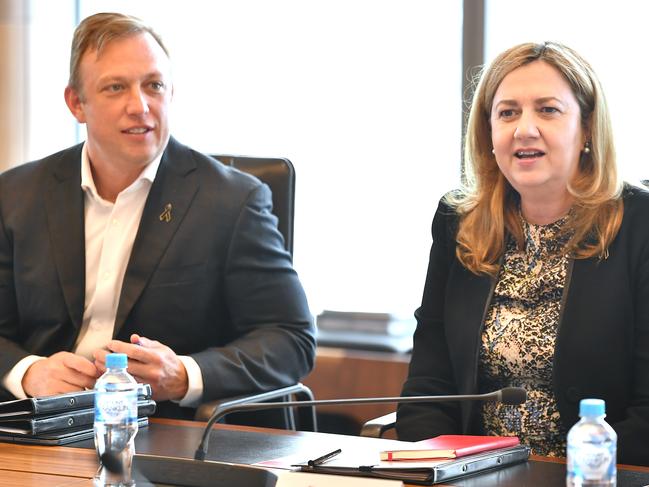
{"points": [[279, 175]]}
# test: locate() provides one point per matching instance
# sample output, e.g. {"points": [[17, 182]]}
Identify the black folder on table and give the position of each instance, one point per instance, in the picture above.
{"points": [[35, 406], [426, 472], [59, 419], [59, 437], [37, 425]]}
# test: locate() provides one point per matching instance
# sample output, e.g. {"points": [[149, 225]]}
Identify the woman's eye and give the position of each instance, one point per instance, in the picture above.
{"points": [[507, 113], [549, 110], [157, 85]]}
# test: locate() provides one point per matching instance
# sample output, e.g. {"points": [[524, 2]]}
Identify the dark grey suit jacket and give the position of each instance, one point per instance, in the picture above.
{"points": [[214, 283], [602, 346]]}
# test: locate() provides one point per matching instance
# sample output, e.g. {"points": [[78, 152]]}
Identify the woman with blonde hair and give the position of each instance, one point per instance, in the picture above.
{"points": [[539, 270]]}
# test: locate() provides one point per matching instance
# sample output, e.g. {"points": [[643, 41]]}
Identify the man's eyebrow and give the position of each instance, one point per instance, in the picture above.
{"points": [[154, 74], [110, 78], [117, 77]]}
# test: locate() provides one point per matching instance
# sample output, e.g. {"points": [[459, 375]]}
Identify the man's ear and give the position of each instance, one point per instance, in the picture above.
{"points": [[74, 103]]}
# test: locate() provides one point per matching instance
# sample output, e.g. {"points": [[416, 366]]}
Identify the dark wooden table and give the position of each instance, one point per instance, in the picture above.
{"points": [[74, 465]]}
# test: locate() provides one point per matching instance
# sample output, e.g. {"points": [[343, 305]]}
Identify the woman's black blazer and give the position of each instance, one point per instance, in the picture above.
{"points": [[602, 346]]}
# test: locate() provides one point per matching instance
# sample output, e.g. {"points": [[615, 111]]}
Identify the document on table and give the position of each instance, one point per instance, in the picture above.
{"points": [[367, 464], [301, 479]]}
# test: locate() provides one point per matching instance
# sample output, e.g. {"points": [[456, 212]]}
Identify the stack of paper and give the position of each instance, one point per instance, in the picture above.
{"points": [[368, 331]]}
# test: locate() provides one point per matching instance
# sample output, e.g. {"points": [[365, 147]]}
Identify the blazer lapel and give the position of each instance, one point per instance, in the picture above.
{"points": [[469, 296], [64, 209], [170, 197]]}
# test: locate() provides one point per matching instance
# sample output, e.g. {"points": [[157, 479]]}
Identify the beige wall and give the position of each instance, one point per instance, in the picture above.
{"points": [[13, 79]]}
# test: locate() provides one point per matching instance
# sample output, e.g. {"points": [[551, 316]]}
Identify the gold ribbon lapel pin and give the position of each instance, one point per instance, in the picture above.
{"points": [[165, 216]]}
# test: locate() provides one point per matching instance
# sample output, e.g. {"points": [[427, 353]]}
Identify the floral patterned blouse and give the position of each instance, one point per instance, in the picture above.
{"points": [[519, 336]]}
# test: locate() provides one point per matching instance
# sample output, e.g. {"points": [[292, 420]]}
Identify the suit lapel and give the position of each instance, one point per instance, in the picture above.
{"points": [[469, 297], [171, 195], [64, 209]]}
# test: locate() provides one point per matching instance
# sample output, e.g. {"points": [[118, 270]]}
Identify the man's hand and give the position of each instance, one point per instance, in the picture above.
{"points": [[60, 373], [150, 362]]}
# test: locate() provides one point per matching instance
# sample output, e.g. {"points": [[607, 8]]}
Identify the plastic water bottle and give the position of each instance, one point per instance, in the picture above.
{"points": [[592, 448], [115, 422]]}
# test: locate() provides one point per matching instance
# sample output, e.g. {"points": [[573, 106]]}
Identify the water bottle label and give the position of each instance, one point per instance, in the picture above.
{"points": [[593, 461], [116, 407]]}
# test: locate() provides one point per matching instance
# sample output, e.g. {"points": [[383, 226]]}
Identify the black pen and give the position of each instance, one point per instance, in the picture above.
{"points": [[323, 458]]}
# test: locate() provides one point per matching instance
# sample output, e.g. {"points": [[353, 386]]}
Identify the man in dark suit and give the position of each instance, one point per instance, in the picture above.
{"points": [[134, 243]]}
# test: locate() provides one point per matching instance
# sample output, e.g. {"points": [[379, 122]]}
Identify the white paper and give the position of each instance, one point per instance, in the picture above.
{"points": [[305, 479]]}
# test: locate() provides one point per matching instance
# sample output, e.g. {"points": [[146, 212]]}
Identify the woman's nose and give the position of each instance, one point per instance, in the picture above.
{"points": [[526, 126]]}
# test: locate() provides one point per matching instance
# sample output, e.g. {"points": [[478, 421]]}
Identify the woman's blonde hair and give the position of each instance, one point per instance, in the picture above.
{"points": [[489, 206]]}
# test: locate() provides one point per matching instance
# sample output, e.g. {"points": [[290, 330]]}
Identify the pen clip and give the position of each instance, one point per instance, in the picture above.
{"points": [[324, 458]]}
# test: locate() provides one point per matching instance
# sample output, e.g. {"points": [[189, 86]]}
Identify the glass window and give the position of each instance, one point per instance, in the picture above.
{"points": [[363, 96], [611, 36], [51, 127]]}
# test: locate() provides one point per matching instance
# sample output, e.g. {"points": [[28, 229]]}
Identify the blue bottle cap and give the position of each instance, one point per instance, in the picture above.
{"points": [[116, 361], [592, 407]]}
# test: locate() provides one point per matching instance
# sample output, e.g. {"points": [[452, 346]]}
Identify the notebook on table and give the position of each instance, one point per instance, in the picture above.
{"points": [[450, 446]]}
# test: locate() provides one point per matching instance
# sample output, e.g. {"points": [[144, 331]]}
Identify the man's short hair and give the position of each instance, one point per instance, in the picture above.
{"points": [[94, 32]]}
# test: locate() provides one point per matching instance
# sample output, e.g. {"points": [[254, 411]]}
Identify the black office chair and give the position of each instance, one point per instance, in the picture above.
{"points": [[375, 428], [279, 175]]}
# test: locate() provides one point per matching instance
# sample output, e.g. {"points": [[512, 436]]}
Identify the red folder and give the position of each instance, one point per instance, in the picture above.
{"points": [[450, 446]]}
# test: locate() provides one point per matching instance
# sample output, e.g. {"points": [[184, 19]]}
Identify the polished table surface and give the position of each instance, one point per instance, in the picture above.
{"points": [[75, 464]]}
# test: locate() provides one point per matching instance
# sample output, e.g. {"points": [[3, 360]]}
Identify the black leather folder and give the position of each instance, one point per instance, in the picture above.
{"points": [[59, 419], [36, 406], [37, 425], [59, 437], [427, 472]]}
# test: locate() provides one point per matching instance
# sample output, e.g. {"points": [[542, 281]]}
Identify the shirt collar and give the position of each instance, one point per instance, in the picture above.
{"points": [[88, 183]]}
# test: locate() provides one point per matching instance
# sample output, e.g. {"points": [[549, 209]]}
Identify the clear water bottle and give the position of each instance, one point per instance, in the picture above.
{"points": [[592, 448], [115, 422]]}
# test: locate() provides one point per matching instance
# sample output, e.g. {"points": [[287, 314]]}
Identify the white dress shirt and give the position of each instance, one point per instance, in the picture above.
{"points": [[110, 230]]}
